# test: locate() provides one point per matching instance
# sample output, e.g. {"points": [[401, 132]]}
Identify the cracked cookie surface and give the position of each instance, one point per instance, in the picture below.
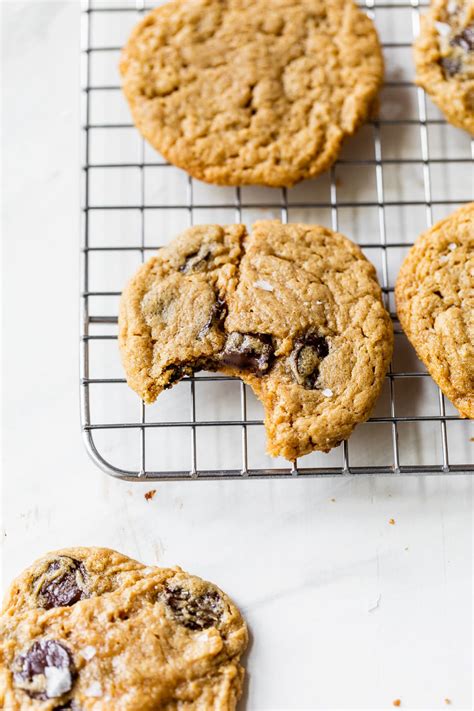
{"points": [[444, 57], [140, 638], [250, 92], [435, 303], [294, 310]]}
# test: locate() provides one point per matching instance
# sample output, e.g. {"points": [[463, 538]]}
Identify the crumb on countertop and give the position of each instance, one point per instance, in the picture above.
{"points": [[447, 702], [397, 702], [150, 494], [391, 521], [333, 499]]}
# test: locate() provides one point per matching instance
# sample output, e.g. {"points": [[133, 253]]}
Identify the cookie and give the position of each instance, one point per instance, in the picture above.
{"points": [[294, 310], [444, 57], [250, 92], [90, 629], [435, 302]]}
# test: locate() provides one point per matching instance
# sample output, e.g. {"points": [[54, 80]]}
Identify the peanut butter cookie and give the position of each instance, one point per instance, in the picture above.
{"points": [[444, 56], [435, 304], [294, 310], [250, 91], [89, 629]]}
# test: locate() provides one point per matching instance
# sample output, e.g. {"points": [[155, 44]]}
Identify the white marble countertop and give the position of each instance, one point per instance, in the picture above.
{"points": [[307, 561]]}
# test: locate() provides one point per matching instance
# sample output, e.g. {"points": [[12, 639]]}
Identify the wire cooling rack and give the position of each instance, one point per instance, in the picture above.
{"points": [[397, 176]]}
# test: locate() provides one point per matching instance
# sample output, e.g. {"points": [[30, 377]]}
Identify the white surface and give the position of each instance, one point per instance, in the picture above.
{"points": [[304, 569]]}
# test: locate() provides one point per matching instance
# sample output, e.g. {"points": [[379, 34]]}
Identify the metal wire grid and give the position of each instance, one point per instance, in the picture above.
{"points": [[97, 327]]}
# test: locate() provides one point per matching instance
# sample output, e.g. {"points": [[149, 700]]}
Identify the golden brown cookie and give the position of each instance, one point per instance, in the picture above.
{"points": [[294, 310], [91, 630], [435, 304], [249, 91], [444, 56]]}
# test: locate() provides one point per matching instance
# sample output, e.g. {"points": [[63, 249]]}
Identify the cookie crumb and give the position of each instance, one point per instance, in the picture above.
{"points": [[150, 494], [447, 702], [397, 702], [391, 521]]}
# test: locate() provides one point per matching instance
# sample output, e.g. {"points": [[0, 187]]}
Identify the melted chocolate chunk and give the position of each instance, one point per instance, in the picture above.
{"points": [[464, 39], [65, 583], [216, 318], [31, 670], [196, 261], [177, 372], [450, 66], [248, 351], [195, 613], [306, 357]]}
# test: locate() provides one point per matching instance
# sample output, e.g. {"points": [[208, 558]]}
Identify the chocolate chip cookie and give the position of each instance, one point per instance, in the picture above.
{"points": [[444, 56], [294, 310], [250, 92], [435, 304], [90, 629]]}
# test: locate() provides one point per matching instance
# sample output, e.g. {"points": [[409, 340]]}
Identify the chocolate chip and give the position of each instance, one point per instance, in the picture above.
{"points": [[248, 351], [306, 357], [195, 613], [216, 318], [176, 373], [464, 39], [450, 66], [64, 583], [196, 261], [33, 671]]}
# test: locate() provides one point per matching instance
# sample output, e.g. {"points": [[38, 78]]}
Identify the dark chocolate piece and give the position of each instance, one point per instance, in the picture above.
{"points": [[195, 613], [31, 673], [248, 351], [306, 357]]}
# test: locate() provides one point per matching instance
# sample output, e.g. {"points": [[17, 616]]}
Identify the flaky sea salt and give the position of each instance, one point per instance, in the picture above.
{"points": [[88, 652], [452, 246], [442, 28], [444, 258], [327, 392], [94, 690], [320, 302], [58, 681], [265, 285]]}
